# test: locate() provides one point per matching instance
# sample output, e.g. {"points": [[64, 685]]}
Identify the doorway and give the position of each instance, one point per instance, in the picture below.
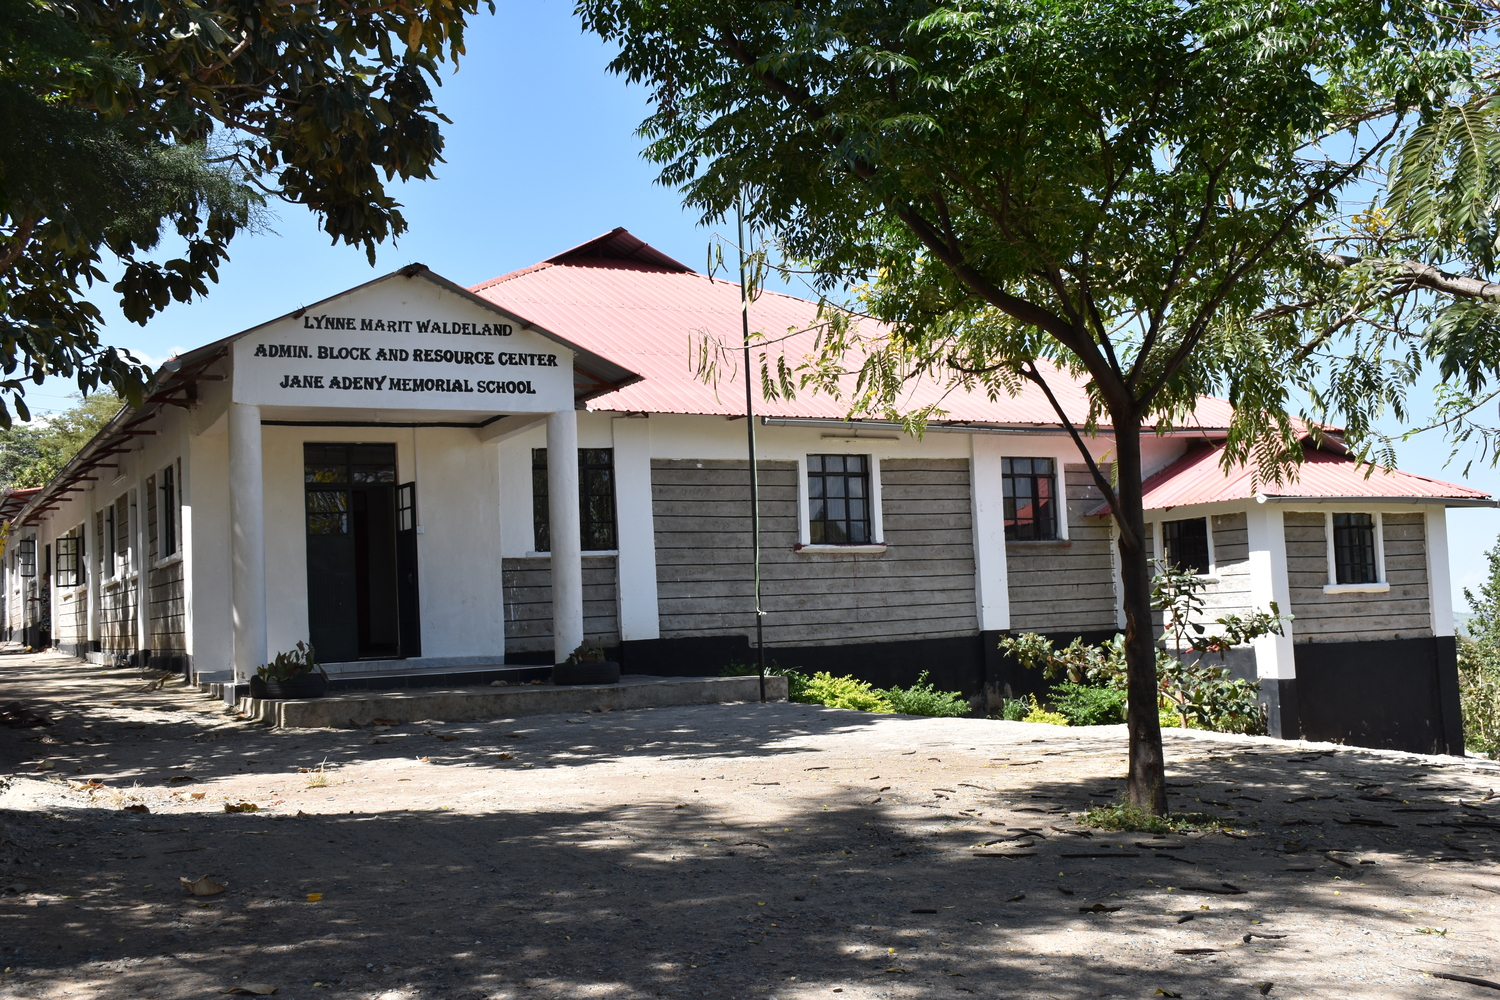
{"points": [[361, 566]]}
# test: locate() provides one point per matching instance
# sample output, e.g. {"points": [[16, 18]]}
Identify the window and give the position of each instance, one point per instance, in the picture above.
{"points": [[1185, 544], [1030, 499], [596, 499], [26, 557], [70, 558], [170, 511], [1354, 558], [838, 499], [328, 470]]}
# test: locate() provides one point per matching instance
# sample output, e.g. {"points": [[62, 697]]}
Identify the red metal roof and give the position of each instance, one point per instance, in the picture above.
{"points": [[618, 297], [1198, 478]]}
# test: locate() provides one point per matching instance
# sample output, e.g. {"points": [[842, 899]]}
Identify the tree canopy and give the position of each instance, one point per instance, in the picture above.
{"points": [[1157, 198], [128, 123], [32, 453]]}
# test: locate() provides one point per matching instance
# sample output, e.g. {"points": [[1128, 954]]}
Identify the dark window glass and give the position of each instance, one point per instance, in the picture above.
{"points": [[406, 507], [69, 561], [327, 467], [1030, 499], [1354, 548], [596, 499], [838, 499], [168, 533], [26, 557], [1186, 544]]}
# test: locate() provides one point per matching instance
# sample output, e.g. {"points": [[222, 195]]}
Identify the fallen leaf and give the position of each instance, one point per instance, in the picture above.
{"points": [[256, 989], [1195, 951], [1166, 993], [205, 886], [197, 795], [180, 779], [1016, 898], [315, 897], [243, 807], [136, 809], [1098, 908], [897, 969], [44, 765], [447, 739], [505, 756], [1264, 988], [424, 760]]}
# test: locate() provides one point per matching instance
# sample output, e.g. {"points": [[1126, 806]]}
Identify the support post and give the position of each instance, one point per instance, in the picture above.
{"points": [[1275, 655], [636, 525], [567, 535], [91, 571], [142, 549], [1445, 643], [247, 543]]}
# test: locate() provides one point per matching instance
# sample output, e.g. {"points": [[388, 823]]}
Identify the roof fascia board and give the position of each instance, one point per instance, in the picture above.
{"points": [[954, 427], [1356, 504], [1190, 510]]}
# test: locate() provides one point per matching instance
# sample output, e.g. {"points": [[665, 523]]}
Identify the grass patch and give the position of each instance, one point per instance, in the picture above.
{"points": [[1122, 816]]}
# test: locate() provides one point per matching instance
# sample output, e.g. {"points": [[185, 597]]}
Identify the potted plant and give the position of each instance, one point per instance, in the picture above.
{"points": [[586, 665], [293, 674]]}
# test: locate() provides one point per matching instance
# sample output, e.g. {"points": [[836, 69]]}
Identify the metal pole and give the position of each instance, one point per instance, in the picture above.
{"points": [[760, 614]]}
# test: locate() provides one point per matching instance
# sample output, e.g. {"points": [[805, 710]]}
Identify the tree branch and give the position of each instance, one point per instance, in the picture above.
{"points": [[1415, 274]]}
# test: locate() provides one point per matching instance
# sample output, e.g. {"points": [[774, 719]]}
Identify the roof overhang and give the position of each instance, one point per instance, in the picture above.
{"points": [[1368, 500]]}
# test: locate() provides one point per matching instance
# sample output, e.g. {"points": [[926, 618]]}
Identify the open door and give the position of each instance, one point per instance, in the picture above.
{"points": [[406, 570]]}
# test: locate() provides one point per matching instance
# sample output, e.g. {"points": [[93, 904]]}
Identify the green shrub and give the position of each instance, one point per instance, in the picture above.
{"points": [[923, 699], [1085, 705], [1011, 710], [822, 688], [1036, 713], [1479, 696], [1120, 816]]}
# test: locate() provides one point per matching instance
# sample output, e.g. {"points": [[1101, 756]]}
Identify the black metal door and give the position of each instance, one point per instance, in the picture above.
{"points": [[406, 569]]}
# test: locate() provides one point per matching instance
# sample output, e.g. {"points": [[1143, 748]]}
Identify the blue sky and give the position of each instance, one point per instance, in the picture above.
{"points": [[541, 156]]}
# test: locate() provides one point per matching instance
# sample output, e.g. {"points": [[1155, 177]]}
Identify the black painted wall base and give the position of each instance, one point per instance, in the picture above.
{"points": [[1391, 694]]}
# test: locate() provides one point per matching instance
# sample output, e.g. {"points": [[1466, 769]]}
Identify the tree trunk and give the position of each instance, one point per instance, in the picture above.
{"points": [[1147, 788]]}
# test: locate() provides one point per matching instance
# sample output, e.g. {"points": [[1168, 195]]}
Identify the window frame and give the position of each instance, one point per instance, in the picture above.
{"points": [[875, 546], [867, 475], [79, 569], [1380, 584], [541, 513], [1059, 499], [168, 513], [1159, 542]]}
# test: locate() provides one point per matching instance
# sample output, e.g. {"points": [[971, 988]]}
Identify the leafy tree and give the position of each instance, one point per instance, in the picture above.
{"points": [[1128, 193], [1479, 663], [126, 122], [32, 453]]}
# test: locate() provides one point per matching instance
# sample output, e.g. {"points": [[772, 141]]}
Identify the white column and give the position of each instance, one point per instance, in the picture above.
{"points": [[1274, 655], [636, 525], [1439, 585], [143, 569], [91, 570], [987, 500], [247, 541], [567, 534]]}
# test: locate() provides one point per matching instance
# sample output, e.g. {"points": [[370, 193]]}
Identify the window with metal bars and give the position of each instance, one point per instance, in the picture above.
{"points": [[1030, 486], [596, 500], [170, 511], [70, 559], [1354, 549], [838, 500], [1186, 544]]}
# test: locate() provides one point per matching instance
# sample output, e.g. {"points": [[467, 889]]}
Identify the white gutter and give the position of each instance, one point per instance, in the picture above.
{"points": [[1445, 501]]}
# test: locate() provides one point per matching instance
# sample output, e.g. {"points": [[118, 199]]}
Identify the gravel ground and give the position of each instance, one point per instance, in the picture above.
{"points": [[748, 850]]}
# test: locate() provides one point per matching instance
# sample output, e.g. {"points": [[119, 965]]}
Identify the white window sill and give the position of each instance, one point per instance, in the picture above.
{"points": [[170, 560], [1357, 588], [848, 550], [586, 552]]}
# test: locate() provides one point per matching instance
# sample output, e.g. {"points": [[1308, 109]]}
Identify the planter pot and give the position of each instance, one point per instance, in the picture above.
{"points": [[305, 686], [607, 672]]}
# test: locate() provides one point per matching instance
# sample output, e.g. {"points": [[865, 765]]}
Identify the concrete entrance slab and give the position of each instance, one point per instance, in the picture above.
{"points": [[360, 708]]}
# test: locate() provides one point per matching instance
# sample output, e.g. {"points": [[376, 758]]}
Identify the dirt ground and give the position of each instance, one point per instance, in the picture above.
{"points": [[748, 850]]}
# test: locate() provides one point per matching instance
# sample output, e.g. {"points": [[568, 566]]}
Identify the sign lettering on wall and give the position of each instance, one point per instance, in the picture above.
{"points": [[444, 355]]}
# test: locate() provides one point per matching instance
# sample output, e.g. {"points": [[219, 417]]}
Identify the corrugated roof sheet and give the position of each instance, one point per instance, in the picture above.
{"points": [[623, 300], [1198, 478]]}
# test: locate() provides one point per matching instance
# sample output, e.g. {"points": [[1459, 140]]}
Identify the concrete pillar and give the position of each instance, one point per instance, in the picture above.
{"points": [[142, 572], [1275, 655], [987, 500], [566, 530], [1440, 604], [636, 573], [91, 571], [247, 542]]}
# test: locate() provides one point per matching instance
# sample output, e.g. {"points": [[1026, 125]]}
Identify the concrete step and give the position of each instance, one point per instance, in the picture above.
{"points": [[343, 709]]}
